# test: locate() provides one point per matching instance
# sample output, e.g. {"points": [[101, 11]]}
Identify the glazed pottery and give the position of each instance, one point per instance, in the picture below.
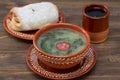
{"points": [[39, 68], [61, 62], [97, 27], [27, 35]]}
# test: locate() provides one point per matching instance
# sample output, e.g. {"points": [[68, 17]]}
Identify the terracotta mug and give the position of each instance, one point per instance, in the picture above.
{"points": [[96, 22]]}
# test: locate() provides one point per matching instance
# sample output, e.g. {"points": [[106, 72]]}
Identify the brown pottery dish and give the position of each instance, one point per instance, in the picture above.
{"points": [[96, 22], [27, 35], [77, 71], [61, 62]]}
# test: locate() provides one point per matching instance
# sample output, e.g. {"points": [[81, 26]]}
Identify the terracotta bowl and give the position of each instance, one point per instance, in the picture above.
{"points": [[61, 62]]}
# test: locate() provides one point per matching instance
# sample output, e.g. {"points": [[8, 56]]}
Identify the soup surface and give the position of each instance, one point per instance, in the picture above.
{"points": [[61, 41]]}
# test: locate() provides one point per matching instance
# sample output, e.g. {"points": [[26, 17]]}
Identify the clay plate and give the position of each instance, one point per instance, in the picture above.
{"points": [[77, 71], [27, 35]]}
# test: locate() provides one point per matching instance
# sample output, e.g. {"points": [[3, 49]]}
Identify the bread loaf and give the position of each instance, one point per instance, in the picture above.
{"points": [[33, 16]]}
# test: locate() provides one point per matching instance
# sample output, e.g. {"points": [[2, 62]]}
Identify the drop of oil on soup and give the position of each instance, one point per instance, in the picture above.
{"points": [[61, 41]]}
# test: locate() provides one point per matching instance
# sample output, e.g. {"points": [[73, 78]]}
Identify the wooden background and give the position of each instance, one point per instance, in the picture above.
{"points": [[13, 51]]}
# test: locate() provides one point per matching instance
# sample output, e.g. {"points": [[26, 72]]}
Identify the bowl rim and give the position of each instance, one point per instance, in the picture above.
{"points": [[61, 25]]}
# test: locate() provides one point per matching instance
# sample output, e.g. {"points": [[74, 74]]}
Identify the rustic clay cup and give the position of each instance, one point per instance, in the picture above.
{"points": [[61, 62], [97, 27]]}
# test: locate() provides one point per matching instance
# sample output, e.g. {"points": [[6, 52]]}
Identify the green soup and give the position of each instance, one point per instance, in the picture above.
{"points": [[61, 41]]}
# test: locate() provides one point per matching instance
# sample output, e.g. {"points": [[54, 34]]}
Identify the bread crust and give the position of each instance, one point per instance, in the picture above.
{"points": [[33, 18]]}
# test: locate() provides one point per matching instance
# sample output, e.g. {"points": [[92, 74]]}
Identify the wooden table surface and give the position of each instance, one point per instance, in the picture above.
{"points": [[13, 50]]}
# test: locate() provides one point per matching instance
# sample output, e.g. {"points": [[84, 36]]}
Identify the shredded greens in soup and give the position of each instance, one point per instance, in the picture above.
{"points": [[61, 41]]}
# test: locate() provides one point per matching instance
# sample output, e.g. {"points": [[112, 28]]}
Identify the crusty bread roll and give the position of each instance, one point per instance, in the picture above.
{"points": [[33, 16]]}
